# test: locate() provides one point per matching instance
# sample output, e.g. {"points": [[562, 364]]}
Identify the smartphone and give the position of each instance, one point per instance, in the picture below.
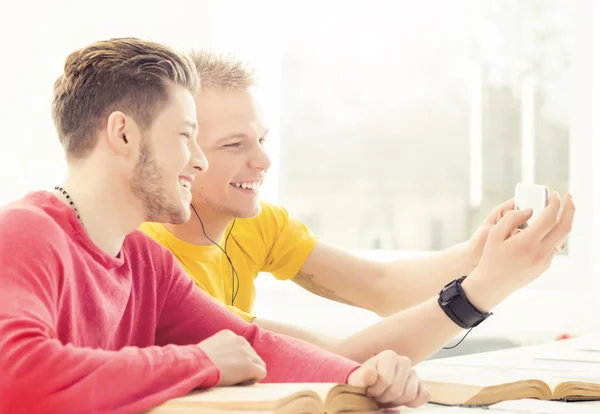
{"points": [[533, 196]]}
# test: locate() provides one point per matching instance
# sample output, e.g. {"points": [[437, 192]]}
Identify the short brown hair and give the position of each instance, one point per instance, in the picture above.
{"points": [[222, 71], [125, 74]]}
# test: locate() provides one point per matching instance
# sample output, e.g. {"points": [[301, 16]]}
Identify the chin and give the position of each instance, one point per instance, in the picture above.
{"points": [[249, 212], [171, 213], [183, 216]]}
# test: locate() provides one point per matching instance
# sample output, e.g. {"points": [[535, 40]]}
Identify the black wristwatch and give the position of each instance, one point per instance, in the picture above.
{"points": [[457, 306]]}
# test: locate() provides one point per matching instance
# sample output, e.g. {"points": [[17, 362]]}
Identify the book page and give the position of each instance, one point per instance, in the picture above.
{"points": [[489, 376], [459, 410], [256, 392], [432, 409], [522, 364], [531, 406], [574, 356]]}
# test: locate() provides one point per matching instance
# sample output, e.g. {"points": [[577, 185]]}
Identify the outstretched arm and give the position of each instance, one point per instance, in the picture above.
{"points": [[390, 287]]}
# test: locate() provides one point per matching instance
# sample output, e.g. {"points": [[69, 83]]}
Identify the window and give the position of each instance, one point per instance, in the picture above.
{"points": [[403, 125], [410, 121]]}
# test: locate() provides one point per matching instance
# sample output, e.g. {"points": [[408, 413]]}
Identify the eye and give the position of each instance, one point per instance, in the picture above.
{"points": [[232, 145], [262, 141], [186, 135]]}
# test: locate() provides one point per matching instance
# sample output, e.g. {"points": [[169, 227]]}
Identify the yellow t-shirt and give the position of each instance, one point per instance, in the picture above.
{"points": [[271, 242]]}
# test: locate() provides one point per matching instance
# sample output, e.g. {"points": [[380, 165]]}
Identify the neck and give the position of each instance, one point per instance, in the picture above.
{"points": [[215, 224], [105, 209]]}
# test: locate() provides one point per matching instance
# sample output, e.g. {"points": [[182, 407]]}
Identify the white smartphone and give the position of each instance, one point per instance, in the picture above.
{"points": [[531, 196]]}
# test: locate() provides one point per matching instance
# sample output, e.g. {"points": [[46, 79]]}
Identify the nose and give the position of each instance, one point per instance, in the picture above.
{"points": [[261, 161], [197, 158]]}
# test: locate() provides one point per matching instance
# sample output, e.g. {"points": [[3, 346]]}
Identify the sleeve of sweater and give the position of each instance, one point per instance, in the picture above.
{"points": [[189, 316], [41, 374]]}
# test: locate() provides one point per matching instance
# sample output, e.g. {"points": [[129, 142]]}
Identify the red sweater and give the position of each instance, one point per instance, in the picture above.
{"points": [[81, 331]]}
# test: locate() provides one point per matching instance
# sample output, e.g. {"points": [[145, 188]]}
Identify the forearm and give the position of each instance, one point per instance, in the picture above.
{"points": [[190, 316], [419, 332], [416, 333], [42, 375], [322, 341], [409, 282]]}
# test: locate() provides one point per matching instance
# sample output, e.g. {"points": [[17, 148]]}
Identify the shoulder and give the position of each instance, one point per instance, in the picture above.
{"points": [[154, 230], [150, 255], [151, 262], [271, 216], [30, 220], [262, 229], [146, 246], [32, 234], [274, 226], [270, 211]]}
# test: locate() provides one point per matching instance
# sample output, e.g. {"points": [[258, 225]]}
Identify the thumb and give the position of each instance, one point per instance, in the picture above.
{"points": [[363, 377], [509, 223]]}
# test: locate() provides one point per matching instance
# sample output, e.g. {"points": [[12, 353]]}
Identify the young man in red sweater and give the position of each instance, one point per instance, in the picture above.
{"points": [[95, 316]]}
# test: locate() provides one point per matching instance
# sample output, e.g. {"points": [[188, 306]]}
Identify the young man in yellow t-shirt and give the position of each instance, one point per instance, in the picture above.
{"points": [[227, 215]]}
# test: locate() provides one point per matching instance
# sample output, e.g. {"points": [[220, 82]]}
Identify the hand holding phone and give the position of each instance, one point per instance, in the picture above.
{"points": [[531, 196]]}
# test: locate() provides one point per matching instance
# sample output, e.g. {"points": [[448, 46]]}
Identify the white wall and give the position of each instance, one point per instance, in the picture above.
{"points": [[36, 39]]}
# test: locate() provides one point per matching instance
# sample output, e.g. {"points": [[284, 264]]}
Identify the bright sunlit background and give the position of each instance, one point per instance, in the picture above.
{"points": [[396, 125]]}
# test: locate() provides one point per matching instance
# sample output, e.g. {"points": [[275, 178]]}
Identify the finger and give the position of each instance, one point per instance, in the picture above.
{"points": [[409, 394], [258, 360], [547, 219], [516, 232], [561, 245], [247, 382], [561, 230], [412, 388], [250, 372], [363, 377], [500, 211], [390, 370], [262, 362], [261, 372], [546, 261], [509, 223], [423, 397], [255, 377], [253, 356], [257, 372], [401, 389]]}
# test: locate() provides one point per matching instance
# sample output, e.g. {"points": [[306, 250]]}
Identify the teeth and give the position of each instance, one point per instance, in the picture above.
{"points": [[185, 183], [249, 186]]}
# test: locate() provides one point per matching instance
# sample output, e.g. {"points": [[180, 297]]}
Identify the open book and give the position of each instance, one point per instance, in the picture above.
{"points": [[452, 385], [272, 398]]}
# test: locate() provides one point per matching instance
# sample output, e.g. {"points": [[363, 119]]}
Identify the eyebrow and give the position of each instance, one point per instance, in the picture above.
{"points": [[240, 135], [191, 124]]}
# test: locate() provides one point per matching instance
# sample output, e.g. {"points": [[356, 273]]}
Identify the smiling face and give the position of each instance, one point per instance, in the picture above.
{"points": [[169, 160], [231, 133]]}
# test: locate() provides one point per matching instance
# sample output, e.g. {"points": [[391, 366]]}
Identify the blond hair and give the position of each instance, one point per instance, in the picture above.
{"points": [[125, 74], [222, 71]]}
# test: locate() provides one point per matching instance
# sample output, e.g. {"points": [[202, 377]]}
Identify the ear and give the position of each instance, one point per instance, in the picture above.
{"points": [[122, 133]]}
